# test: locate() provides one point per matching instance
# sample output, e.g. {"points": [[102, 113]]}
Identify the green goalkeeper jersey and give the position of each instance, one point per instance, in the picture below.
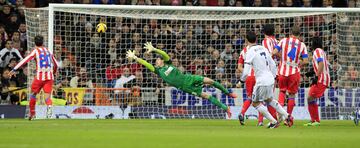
{"points": [[171, 75]]}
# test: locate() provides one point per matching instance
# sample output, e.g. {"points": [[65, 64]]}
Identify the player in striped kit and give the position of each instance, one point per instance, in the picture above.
{"points": [[249, 86], [320, 81], [293, 54], [270, 43], [259, 59], [46, 66]]}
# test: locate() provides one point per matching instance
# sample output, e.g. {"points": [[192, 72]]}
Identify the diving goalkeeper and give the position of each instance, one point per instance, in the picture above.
{"points": [[188, 83]]}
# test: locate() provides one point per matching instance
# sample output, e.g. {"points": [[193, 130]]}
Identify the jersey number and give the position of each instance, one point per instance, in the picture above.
{"points": [[264, 54], [45, 61]]}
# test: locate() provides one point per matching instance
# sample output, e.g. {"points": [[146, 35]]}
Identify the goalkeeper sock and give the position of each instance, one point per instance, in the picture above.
{"points": [[282, 96], [263, 110], [290, 106], [245, 106], [221, 87], [216, 102], [32, 104]]}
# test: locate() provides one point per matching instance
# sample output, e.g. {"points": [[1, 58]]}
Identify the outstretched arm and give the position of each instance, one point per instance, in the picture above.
{"points": [[131, 55], [151, 48]]}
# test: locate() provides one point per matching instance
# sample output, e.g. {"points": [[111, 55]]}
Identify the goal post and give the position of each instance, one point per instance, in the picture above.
{"points": [[200, 40]]}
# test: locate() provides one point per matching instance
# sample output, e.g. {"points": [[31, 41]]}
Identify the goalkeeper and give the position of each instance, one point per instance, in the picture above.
{"points": [[191, 84]]}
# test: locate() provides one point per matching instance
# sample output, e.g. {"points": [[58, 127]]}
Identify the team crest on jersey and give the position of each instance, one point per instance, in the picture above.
{"points": [[168, 71]]}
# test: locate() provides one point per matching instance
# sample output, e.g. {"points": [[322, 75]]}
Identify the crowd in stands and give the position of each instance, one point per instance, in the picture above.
{"points": [[209, 48]]}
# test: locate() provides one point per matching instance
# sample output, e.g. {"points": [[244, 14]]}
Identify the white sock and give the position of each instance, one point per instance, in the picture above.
{"points": [[275, 104], [263, 110]]}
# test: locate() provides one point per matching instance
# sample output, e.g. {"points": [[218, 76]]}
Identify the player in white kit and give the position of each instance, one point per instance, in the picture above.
{"points": [[259, 58]]}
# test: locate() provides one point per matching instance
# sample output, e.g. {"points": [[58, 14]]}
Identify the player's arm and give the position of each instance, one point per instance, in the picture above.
{"points": [[151, 48], [304, 55], [23, 62], [320, 61], [272, 65], [247, 65], [241, 61], [277, 49], [131, 55], [56, 64]]}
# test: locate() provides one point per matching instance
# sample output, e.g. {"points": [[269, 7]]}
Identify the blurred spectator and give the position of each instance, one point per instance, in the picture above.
{"points": [[352, 74], [123, 79], [227, 52], [113, 71], [3, 35], [81, 80], [15, 38], [112, 50], [8, 53], [5, 14], [12, 24], [6, 85]]}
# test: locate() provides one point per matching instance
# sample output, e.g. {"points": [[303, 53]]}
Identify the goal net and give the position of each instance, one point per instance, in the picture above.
{"points": [[98, 81]]}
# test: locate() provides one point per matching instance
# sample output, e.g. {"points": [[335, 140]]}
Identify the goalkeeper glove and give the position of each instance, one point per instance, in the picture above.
{"points": [[149, 47], [131, 55]]}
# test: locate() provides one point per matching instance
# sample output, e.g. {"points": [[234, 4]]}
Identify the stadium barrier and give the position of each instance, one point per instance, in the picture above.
{"points": [[333, 105]]}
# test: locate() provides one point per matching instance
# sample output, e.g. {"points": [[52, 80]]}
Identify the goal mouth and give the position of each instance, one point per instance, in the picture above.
{"points": [[212, 37]]}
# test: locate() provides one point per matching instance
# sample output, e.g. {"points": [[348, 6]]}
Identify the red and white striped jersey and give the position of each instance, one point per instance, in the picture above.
{"points": [[320, 56], [270, 43], [291, 50], [242, 59], [46, 64]]}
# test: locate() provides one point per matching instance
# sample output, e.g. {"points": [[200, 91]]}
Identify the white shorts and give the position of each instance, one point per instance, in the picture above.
{"points": [[262, 93]]}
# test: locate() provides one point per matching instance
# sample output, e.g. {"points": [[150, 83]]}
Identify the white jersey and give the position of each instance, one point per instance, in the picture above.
{"points": [[259, 58]]}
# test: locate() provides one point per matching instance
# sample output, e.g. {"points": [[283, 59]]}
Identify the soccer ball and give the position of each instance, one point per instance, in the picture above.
{"points": [[101, 28]]}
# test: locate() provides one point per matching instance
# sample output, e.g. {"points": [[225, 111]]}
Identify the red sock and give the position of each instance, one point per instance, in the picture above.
{"points": [[290, 105], [272, 111], [48, 101], [32, 104], [245, 106], [314, 111], [282, 96], [261, 118]]}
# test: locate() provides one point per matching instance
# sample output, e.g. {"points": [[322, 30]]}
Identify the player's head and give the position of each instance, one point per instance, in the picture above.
{"points": [[159, 62], [269, 29], [316, 43], [295, 31], [39, 40], [251, 37]]}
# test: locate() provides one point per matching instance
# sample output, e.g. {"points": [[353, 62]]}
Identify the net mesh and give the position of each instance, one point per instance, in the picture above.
{"points": [[206, 43]]}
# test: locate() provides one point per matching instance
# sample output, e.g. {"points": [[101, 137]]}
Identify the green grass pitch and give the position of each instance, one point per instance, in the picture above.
{"points": [[172, 133]]}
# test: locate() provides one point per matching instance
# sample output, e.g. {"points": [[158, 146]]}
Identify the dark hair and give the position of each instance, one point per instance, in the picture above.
{"points": [[269, 29], [316, 43], [39, 40], [295, 31], [251, 36]]}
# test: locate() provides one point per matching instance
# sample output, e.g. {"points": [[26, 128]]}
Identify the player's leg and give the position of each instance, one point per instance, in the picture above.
{"points": [[35, 89], [282, 80], [47, 94], [216, 102], [219, 86], [261, 92], [293, 87], [249, 86], [316, 91]]}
